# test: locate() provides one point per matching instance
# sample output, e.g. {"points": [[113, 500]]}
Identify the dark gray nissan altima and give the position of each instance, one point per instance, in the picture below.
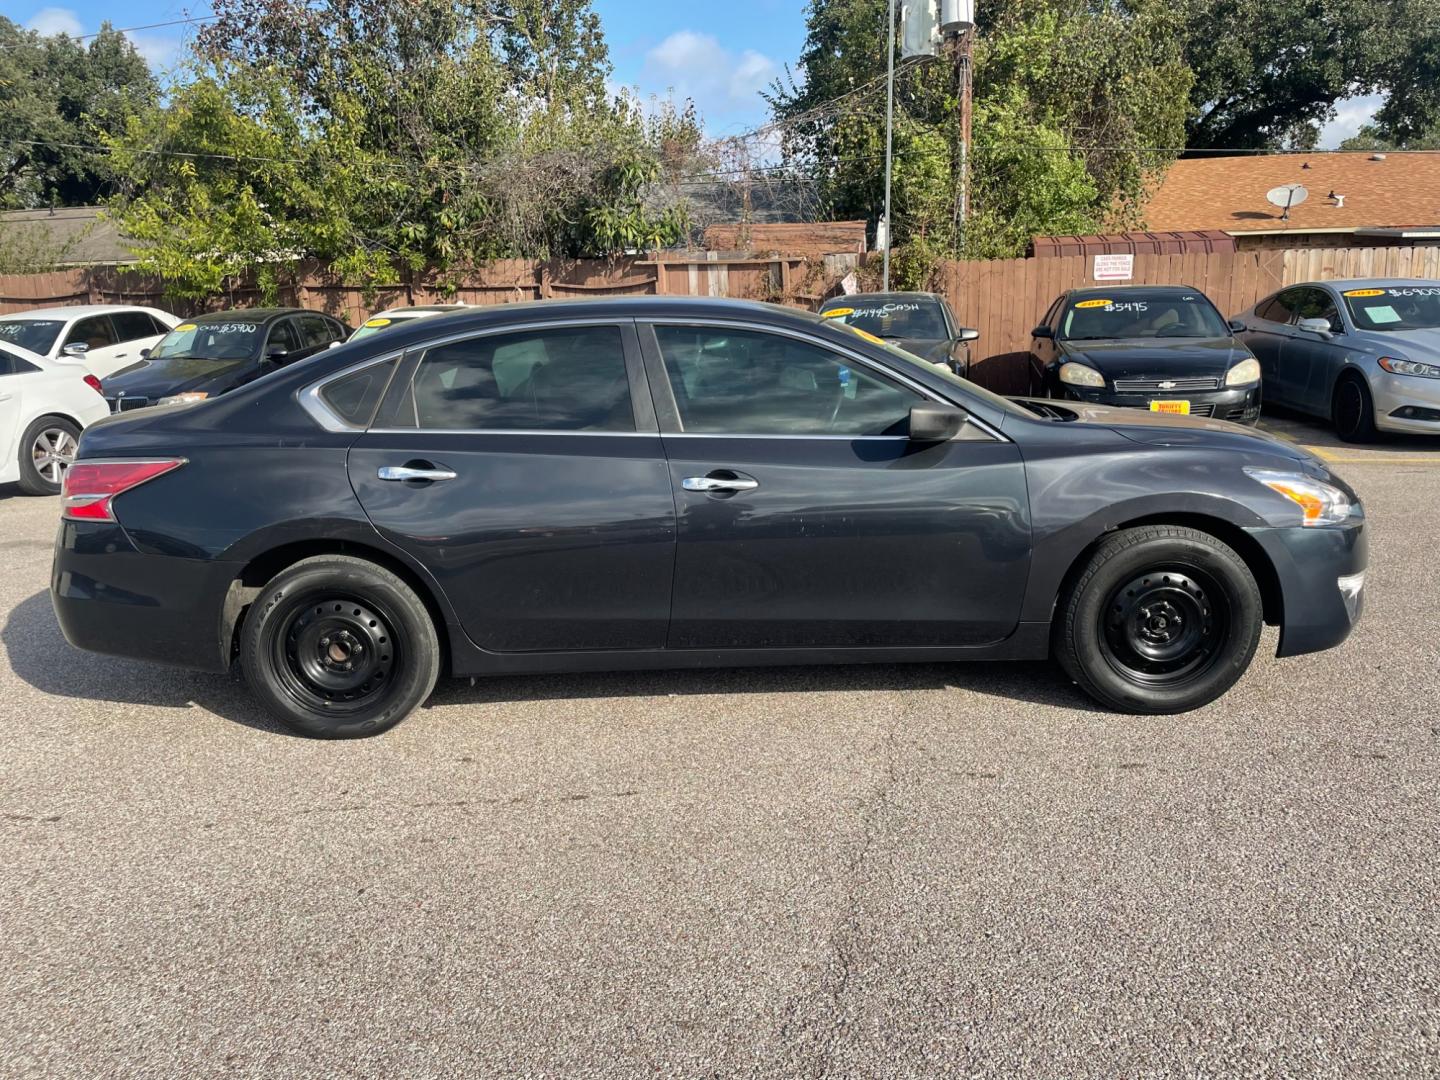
{"points": [[638, 483]]}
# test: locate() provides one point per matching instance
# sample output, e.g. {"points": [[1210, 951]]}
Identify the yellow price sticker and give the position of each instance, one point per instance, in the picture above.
{"points": [[184, 328], [1366, 292], [1092, 303], [865, 334], [837, 313], [378, 322]]}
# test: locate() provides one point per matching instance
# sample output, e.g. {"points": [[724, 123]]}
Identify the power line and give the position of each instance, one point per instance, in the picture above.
{"points": [[121, 30]]}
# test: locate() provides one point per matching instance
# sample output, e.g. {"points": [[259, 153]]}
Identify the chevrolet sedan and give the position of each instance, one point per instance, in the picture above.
{"points": [[634, 483]]}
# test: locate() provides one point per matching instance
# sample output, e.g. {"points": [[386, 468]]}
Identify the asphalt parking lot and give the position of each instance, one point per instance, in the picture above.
{"points": [[888, 871]]}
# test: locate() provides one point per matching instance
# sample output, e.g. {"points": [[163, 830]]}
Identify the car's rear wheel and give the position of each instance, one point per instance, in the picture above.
{"points": [[1353, 410], [47, 449], [1161, 619], [340, 648]]}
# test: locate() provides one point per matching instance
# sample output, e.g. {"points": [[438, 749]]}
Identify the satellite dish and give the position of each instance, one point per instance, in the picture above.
{"points": [[1285, 196]]}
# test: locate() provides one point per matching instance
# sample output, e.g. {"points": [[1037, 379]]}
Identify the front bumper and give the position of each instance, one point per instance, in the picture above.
{"points": [[1404, 403], [1240, 405], [1310, 563], [111, 598]]}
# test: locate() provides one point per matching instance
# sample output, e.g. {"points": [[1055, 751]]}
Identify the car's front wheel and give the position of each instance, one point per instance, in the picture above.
{"points": [[339, 648], [1161, 619]]}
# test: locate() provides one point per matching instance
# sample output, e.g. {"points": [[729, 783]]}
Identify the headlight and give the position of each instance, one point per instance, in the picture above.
{"points": [[1246, 371], [1320, 503], [1396, 366], [184, 399], [1081, 375]]}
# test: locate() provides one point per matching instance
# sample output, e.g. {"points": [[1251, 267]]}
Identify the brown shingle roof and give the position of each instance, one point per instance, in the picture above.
{"points": [[75, 235], [1229, 192]]}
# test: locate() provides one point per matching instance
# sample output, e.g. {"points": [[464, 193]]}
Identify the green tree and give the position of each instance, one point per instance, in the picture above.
{"points": [[377, 135], [1269, 72], [1068, 96], [58, 99]]}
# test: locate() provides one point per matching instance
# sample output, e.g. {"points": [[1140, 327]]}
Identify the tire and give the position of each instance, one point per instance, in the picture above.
{"points": [[46, 450], [1116, 627], [327, 612], [1353, 410]]}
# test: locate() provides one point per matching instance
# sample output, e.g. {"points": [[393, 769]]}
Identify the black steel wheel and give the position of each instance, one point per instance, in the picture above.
{"points": [[339, 647], [1160, 619], [1353, 410]]}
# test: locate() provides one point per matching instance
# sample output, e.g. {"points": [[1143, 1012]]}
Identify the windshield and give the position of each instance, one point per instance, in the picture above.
{"points": [[1138, 315], [211, 341], [375, 325], [892, 318], [37, 335], [1405, 307]]}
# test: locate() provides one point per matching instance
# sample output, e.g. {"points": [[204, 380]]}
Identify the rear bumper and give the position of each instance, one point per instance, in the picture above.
{"points": [[111, 598], [1310, 564], [1240, 405]]}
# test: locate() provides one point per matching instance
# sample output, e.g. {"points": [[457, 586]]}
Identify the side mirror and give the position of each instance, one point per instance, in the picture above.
{"points": [[276, 353], [1042, 331], [1237, 326], [969, 333], [936, 423], [1315, 326], [76, 348], [144, 354]]}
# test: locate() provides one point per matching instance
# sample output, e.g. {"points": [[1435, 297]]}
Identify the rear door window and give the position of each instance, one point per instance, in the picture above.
{"points": [[318, 330], [130, 325], [94, 332], [562, 379]]}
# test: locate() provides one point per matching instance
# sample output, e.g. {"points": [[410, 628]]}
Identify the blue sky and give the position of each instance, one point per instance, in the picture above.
{"points": [[719, 54]]}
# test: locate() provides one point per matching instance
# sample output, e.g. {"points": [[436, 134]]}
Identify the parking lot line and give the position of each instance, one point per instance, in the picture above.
{"points": [[1378, 458]]}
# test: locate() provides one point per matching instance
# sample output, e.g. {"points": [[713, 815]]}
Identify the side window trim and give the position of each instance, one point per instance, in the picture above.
{"points": [[388, 420]]}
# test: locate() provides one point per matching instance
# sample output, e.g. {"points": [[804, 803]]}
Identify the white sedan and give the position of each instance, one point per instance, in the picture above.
{"points": [[44, 405], [104, 337]]}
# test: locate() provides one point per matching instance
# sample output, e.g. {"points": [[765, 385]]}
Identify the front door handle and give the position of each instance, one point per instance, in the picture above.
{"points": [[406, 472], [726, 484]]}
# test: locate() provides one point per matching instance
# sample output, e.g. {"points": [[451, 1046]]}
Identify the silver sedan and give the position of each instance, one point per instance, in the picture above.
{"points": [[1363, 353]]}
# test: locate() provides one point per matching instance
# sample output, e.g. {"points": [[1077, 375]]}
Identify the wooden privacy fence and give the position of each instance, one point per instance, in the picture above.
{"points": [[1003, 299]]}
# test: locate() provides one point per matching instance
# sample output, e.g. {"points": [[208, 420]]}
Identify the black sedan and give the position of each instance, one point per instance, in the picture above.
{"points": [[918, 322], [207, 356], [639, 482], [1159, 347]]}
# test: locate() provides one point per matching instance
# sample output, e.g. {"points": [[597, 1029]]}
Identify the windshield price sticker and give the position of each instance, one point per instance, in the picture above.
{"points": [[1115, 305], [1093, 303], [183, 328], [233, 328], [1366, 292], [833, 313], [1413, 292]]}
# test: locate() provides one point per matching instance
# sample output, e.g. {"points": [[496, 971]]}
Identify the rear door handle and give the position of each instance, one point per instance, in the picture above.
{"points": [[720, 484], [406, 472]]}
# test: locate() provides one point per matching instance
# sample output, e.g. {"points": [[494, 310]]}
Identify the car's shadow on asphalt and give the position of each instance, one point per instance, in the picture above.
{"points": [[40, 655]]}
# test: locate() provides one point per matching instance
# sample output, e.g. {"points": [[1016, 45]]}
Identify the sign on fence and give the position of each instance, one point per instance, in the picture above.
{"points": [[1114, 267]]}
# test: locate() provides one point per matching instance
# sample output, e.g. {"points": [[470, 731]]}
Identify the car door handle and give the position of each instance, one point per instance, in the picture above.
{"points": [[722, 484], [406, 472]]}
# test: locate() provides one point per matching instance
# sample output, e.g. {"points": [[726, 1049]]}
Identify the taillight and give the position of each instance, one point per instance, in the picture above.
{"points": [[90, 486], [94, 384]]}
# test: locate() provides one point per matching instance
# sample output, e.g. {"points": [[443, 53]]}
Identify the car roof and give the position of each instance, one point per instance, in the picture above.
{"points": [[249, 314], [1097, 289], [1369, 283], [902, 296], [75, 311]]}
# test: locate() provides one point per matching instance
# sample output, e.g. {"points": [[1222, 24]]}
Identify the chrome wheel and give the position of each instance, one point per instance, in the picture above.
{"points": [[53, 451]]}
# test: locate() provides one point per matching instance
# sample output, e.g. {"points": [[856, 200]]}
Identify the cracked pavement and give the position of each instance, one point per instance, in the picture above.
{"points": [[870, 872]]}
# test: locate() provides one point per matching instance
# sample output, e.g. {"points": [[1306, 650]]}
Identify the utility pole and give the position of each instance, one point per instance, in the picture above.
{"points": [[964, 53], [889, 138]]}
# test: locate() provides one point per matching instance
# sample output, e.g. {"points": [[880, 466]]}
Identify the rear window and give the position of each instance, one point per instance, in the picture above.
{"points": [[355, 397]]}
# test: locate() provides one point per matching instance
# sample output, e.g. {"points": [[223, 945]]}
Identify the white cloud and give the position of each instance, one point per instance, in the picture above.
{"points": [[1351, 115], [158, 50], [724, 85], [55, 20]]}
